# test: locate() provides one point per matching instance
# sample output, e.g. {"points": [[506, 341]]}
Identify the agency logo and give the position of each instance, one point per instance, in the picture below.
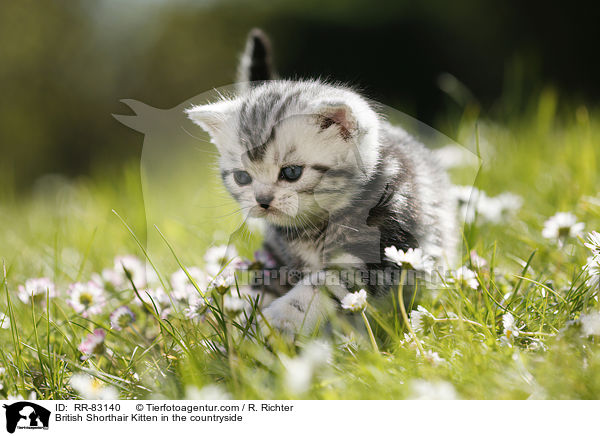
{"points": [[26, 415]]}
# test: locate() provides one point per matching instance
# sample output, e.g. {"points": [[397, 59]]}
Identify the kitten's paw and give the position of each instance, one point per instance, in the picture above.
{"points": [[299, 311], [282, 316]]}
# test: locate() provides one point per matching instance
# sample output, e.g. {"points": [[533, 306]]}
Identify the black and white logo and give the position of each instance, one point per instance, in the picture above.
{"points": [[26, 415]]}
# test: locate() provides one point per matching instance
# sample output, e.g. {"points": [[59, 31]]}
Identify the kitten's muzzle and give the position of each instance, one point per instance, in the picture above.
{"points": [[264, 201]]}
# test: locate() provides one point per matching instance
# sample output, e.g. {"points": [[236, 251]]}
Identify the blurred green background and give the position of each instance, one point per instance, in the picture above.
{"points": [[64, 65]]}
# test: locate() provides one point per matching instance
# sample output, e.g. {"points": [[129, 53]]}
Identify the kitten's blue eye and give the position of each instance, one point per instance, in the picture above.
{"points": [[242, 178], [291, 173]]}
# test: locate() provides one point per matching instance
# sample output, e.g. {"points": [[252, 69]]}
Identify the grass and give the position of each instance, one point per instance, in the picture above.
{"points": [[67, 230]]}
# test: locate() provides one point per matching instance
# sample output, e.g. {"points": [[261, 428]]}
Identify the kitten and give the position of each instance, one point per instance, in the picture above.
{"points": [[334, 182]]}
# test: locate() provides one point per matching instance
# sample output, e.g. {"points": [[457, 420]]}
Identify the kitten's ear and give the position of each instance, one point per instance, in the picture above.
{"points": [[339, 115], [255, 64], [213, 118]]}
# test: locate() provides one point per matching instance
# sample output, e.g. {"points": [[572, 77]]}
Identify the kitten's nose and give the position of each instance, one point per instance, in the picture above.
{"points": [[264, 201]]}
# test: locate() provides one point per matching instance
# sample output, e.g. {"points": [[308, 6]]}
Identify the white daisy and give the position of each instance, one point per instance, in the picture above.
{"points": [[466, 210], [298, 373], [475, 203], [465, 276], [477, 261], [489, 209], [86, 298], [510, 327], [432, 357], [140, 275], [36, 288], [109, 276], [300, 370], [561, 226], [183, 288], [92, 344], [413, 258], [418, 317], [536, 345], [134, 266], [412, 342], [463, 194], [121, 318], [594, 243], [355, 301], [590, 324], [436, 390], [156, 297], [233, 304], [196, 308], [318, 352], [495, 209], [222, 283], [509, 201], [220, 257], [90, 388]]}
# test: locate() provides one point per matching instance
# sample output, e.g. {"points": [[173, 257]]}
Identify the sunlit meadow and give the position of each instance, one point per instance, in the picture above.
{"points": [[88, 312]]}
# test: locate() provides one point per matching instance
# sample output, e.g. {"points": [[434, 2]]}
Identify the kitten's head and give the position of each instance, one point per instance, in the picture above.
{"points": [[292, 152]]}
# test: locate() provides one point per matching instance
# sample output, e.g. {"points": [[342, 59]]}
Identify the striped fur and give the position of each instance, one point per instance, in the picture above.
{"points": [[365, 185]]}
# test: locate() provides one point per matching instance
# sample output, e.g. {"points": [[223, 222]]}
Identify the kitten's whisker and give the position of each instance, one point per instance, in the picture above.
{"points": [[313, 225], [234, 212], [333, 223], [194, 136], [213, 153], [346, 227], [212, 207]]}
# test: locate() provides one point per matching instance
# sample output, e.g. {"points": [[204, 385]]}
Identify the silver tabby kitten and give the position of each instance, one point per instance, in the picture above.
{"points": [[334, 182]]}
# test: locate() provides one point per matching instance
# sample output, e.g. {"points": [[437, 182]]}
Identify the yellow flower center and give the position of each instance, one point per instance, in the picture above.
{"points": [[86, 298]]}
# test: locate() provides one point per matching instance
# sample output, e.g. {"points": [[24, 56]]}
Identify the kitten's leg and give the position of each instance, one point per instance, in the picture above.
{"points": [[309, 302], [300, 310]]}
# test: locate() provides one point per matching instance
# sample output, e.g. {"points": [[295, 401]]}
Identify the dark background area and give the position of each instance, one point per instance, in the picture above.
{"points": [[64, 65]]}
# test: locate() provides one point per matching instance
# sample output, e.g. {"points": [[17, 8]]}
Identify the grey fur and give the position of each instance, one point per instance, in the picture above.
{"points": [[385, 189]]}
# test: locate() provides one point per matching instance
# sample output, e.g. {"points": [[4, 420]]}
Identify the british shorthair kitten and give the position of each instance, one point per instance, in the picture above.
{"points": [[334, 182]]}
